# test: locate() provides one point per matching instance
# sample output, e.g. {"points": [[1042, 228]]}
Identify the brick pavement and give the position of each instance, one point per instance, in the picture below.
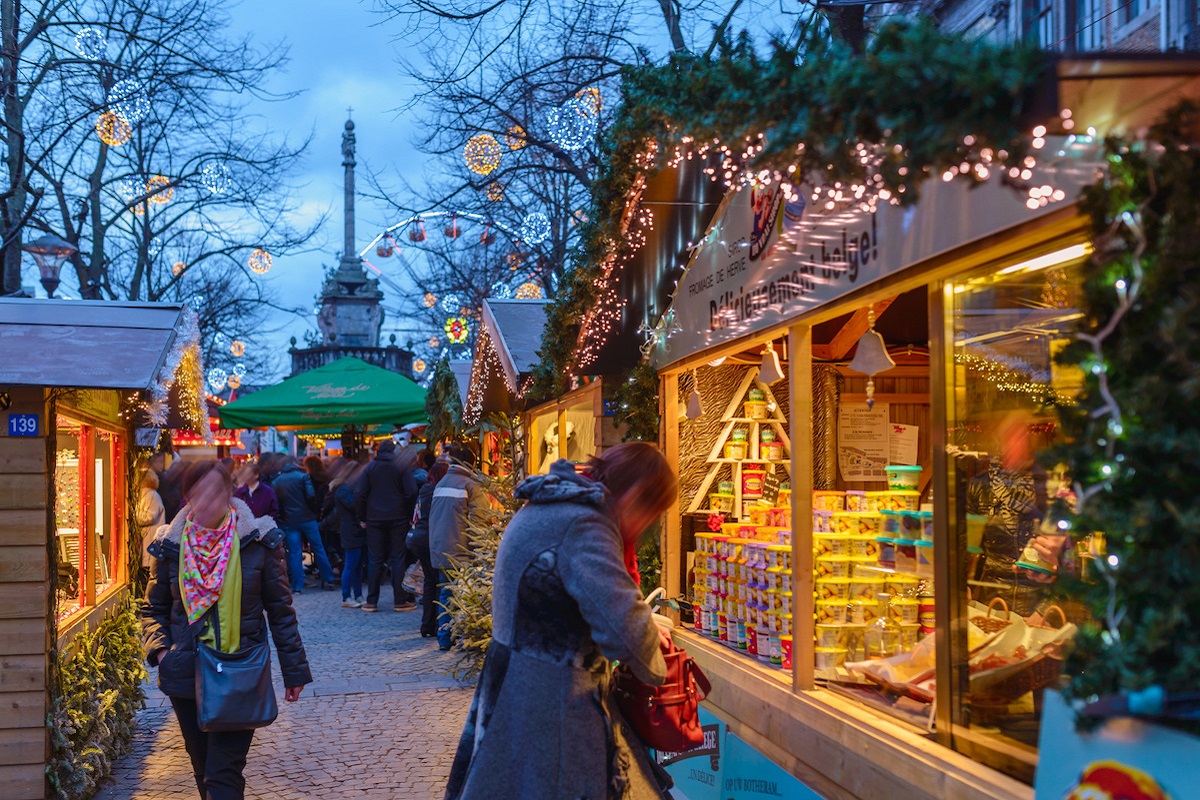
{"points": [[381, 718]]}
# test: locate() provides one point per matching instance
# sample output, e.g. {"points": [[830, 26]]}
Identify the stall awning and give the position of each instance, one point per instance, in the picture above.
{"points": [[85, 344], [347, 392]]}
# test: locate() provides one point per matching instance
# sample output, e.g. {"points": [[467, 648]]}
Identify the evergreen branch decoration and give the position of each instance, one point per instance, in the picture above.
{"points": [[443, 405], [815, 113], [637, 404], [1133, 441]]}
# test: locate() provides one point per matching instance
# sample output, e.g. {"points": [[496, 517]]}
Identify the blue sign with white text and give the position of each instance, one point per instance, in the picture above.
{"points": [[22, 424]]}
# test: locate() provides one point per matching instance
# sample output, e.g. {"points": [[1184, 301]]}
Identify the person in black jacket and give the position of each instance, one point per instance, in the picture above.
{"points": [[297, 499], [418, 542], [386, 496], [210, 534], [353, 536]]}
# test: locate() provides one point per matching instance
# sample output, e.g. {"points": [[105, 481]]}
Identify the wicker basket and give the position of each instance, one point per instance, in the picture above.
{"points": [[1036, 673]]}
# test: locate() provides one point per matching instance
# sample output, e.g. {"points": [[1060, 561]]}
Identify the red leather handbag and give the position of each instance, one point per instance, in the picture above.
{"points": [[666, 717]]}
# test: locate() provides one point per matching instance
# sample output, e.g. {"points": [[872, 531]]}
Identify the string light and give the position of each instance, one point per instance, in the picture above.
{"points": [[129, 99], [178, 268], [91, 44], [112, 129], [457, 330], [529, 291], [515, 138], [237, 348], [215, 177], [159, 189], [482, 153], [495, 191], [259, 262], [535, 228]]}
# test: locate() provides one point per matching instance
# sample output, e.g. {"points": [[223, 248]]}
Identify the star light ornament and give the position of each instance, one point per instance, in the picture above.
{"points": [[217, 378], [535, 228], [129, 99], [91, 44], [215, 177], [573, 125], [658, 333]]}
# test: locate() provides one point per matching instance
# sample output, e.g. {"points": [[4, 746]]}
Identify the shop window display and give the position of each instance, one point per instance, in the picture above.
{"points": [[68, 516], [1005, 502]]}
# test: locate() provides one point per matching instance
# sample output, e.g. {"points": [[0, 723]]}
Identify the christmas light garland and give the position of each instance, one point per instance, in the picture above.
{"points": [[184, 365]]}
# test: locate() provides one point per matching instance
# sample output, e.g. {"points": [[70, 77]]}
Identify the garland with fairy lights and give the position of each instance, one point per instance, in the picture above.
{"points": [[1134, 439], [856, 129]]}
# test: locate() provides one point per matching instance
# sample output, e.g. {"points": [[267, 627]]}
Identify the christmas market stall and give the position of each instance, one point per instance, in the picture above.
{"points": [[86, 391], [882, 378]]}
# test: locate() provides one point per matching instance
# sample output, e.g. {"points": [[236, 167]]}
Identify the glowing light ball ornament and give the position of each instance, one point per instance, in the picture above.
{"points": [[435, 342], [592, 98], [234, 381], [259, 262], [131, 188], [217, 378], [220, 340], [239, 369], [178, 268], [129, 99], [237, 348], [515, 138], [535, 228], [501, 291], [215, 177], [155, 247], [457, 330], [198, 301], [482, 153], [419, 366], [529, 291], [573, 125], [495, 192], [451, 303], [91, 44], [112, 129], [160, 189], [430, 299]]}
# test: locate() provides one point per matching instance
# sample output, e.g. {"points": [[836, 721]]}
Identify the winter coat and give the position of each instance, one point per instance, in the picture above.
{"points": [[296, 495], [262, 501], [351, 533], [542, 723], [455, 498], [386, 490], [265, 591], [418, 537], [151, 516]]}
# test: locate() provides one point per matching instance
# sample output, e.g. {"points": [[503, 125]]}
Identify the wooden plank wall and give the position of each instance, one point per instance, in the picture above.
{"points": [[908, 404], [24, 606]]}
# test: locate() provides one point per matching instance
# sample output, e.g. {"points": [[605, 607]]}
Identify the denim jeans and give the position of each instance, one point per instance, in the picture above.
{"points": [[296, 535], [444, 637], [352, 572], [386, 545]]}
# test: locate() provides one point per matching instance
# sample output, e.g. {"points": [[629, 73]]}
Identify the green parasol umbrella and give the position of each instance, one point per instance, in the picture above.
{"points": [[347, 392]]}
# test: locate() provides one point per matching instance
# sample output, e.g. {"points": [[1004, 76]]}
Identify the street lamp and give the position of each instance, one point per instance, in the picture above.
{"points": [[50, 252]]}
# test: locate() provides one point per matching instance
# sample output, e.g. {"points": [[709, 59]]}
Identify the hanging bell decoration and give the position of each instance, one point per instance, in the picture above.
{"points": [[770, 371], [871, 356], [694, 411]]}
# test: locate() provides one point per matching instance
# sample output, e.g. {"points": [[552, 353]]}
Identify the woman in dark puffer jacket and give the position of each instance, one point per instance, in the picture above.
{"points": [[220, 547]]}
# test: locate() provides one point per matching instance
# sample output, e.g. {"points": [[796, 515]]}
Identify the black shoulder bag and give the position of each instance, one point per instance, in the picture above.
{"points": [[233, 690]]}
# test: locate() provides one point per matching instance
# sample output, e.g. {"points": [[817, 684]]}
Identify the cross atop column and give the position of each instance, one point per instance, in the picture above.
{"points": [[349, 110]]}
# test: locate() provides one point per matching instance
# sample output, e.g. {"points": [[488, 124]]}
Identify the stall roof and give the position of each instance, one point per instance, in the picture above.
{"points": [[504, 355], [85, 344], [462, 375]]}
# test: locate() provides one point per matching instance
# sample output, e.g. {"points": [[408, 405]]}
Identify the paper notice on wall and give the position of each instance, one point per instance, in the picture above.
{"points": [[902, 444], [863, 441]]}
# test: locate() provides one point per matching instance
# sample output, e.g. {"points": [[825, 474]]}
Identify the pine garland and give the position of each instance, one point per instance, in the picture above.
{"points": [[443, 405]]}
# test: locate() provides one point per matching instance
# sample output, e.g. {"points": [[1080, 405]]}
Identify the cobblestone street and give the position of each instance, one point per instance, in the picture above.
{"points": [[381, 718]]}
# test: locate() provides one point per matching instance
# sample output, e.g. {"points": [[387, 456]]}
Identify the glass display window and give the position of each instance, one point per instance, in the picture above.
{"points": [[1006, 498], [89, 503]]}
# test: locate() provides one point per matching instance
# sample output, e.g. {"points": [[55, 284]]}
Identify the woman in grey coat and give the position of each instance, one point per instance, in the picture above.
{"points": [[543, 723]]}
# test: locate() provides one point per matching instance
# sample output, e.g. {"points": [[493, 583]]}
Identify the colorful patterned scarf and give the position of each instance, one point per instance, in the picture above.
{"points": [[205, 554]]}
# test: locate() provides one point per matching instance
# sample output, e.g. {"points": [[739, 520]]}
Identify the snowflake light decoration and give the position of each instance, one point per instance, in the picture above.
{"points": [[501, 291], [129, 99], [112, 129], [529, 291], [457, 330], [159, 189], [237, 348], [430, 299], [259, 262], [451, 303], [419, 366], [91, 44], [573, 125], [535, 228], [515, 138], [495, 191], [482, 153], [239, 369], [217, 378], [215, 177]]}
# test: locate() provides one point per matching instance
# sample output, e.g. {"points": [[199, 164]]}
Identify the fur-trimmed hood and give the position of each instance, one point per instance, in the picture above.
{"points": [[249, 527], [563, 485]]}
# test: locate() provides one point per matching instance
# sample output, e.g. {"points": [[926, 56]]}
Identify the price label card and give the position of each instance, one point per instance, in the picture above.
{"points": [[23, 425]]}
